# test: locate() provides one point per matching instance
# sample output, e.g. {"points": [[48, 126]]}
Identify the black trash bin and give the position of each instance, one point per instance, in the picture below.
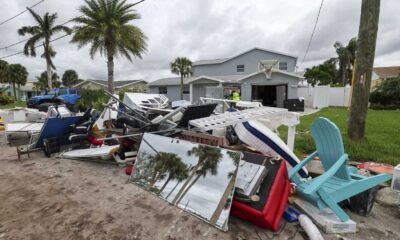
{"points": [[363, 202], [294, 105]]}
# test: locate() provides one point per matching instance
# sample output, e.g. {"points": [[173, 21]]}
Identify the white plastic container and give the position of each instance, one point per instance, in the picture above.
{"points": [[396, 179]]}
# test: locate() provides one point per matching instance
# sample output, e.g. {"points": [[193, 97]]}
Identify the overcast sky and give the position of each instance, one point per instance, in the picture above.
{"points": [[207, 29]]}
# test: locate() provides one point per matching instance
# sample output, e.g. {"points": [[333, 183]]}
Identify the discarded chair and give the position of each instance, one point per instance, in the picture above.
{"points": [[338, 182]]}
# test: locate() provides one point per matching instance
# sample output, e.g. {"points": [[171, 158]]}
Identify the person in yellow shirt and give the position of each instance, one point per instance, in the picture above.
{"points": [[235, 96]]}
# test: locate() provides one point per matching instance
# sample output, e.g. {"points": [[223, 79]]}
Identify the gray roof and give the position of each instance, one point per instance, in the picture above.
{"points": [[117, 84], [166, 81], [212, 61], [222, 60]]}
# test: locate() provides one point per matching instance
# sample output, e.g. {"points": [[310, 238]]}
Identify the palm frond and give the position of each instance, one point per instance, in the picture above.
{"points": [[38, 19], [32, 30], [61, 28], [106, 26], [30, 45]]}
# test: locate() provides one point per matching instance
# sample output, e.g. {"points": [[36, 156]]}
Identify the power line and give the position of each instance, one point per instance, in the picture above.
{"points": [[11, 18], [55, 39], [24, 40], [11, 45], [312, 33]]}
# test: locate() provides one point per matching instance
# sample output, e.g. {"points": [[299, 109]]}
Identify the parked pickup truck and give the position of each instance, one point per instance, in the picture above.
{"points": [[67, 96]]}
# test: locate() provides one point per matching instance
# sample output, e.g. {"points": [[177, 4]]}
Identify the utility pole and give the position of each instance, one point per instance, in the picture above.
{"points": [[365, 59]]}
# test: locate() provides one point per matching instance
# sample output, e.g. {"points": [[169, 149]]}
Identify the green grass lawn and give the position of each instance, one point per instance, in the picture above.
{"points": [[16, 104], [382, 138]]}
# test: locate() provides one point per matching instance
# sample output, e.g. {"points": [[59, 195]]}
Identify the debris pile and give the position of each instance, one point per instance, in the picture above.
{"points": [[214, 160]]}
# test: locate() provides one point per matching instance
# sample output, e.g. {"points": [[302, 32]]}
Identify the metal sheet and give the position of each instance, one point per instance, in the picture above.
{"points": [[197, 178], [103, 152], [23, 127], [231, 118]]}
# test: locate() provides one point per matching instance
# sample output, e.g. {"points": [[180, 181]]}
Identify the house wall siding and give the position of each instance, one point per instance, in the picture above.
{"points": [[173, 92], [199, 89], [276, 79], [250, 61]]}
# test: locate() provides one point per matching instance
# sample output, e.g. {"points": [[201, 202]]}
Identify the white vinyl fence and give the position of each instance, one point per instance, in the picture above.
{"points": [[324, 96]]}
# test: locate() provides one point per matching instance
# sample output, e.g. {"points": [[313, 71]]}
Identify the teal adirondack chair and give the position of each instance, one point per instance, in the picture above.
{"points": [[338, 182]]}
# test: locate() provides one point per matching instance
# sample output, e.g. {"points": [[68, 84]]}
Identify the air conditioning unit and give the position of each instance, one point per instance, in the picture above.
{"points": [[396, 179]]}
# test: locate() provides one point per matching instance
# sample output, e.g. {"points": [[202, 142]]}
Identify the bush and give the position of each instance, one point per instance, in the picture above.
{"points": [[4, 99], [386, 95], [91, 98], [122, 93], [378, 106]]}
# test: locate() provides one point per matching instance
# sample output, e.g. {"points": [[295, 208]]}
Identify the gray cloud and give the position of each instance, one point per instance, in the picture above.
{"points": [[204, 29]]}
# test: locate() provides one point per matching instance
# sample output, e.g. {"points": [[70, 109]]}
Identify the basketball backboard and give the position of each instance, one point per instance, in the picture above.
{"points": [[267, 66]]}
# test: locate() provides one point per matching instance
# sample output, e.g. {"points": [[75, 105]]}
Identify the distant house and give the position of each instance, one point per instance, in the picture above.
{"points": [[379, 74], [126, 85], [170, 87], [245, 73], [24, 93]]}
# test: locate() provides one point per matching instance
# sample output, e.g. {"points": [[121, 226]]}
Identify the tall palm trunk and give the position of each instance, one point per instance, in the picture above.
{"points": [[110, 68], [187, 189], [221, 205], [181, 87], [14, 90], [48, 63], [19, 92], [49, 82], [154, 179], [173, 189], [165, 184], [344, 73], [188, 180]]}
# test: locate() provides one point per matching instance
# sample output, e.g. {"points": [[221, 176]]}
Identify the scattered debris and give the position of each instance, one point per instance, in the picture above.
{"points": [[326, 218], [213, 163]]}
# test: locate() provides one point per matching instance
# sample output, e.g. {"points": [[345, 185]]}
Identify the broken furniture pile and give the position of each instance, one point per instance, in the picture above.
{"points": [[211, 161]]}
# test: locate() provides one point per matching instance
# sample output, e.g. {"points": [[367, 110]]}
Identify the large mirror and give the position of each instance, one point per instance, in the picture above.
{"points": [[197, 178]]}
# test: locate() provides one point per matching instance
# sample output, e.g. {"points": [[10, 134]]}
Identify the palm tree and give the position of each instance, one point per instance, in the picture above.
{"points": [[346, 58], [3, 71], [176, 169], [183, 67], [42, 83], [226, 198], [209, 158], [17, 75], [44, 30], [70, 78], [105, 25]]}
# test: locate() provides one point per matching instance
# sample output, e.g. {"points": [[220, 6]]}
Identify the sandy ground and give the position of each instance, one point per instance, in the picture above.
{"points": [[47, 198]]}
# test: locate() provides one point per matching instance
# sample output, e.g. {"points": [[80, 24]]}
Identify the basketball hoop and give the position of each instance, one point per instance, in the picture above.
{"points": [[267, 66], [268, 72]]}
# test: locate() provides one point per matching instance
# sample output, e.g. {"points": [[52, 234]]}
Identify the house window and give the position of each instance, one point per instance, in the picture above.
{"points": [[282, 65], [162, 90], [186, 90], [240, 68]]}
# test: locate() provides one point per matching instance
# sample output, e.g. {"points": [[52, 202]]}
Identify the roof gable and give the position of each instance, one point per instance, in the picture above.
{"points": [[117, 84], [222, 60], [293, 75]]}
